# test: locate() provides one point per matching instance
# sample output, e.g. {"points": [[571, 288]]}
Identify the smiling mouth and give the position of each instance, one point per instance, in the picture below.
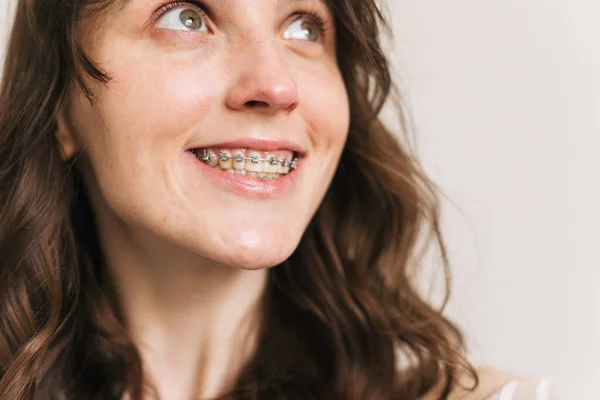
{"points": [[252, 163]]}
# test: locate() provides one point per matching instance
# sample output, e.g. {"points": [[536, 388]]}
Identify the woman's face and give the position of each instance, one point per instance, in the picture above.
{"points": [[248, 77]]}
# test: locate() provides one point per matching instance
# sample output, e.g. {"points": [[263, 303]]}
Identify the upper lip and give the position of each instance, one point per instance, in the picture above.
{"points": [[258, 143]]}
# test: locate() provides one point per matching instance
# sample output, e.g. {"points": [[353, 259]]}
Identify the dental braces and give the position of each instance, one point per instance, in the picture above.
{"points": [[255, 159]]}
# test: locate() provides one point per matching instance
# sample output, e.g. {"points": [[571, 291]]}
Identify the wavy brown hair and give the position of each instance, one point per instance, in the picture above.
{"points": [[342, 319]]}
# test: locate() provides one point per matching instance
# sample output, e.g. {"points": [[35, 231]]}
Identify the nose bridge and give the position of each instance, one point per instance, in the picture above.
{"points": [[260, 74]]}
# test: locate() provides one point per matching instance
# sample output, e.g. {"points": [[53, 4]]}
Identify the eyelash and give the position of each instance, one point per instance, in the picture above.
{"points": [[314, 15], [174, 4]]}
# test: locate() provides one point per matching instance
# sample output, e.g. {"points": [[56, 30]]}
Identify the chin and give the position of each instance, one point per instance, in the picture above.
{"points": [[252, 249], [262, 259], [257, 257]]}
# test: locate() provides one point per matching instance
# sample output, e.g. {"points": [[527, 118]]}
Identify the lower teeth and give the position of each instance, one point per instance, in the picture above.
{"points": [[260, 175]]}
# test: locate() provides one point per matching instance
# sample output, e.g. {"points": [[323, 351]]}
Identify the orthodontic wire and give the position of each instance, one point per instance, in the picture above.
{"points": [[254, 159]]}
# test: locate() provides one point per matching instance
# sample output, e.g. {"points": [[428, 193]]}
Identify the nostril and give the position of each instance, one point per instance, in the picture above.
{"points": [[256, 103], [292, 107]]}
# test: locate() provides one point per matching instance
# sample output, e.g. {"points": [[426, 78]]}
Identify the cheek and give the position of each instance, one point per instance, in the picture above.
{"points": [[136, 132], [144, 117], [326, 113], [326, 109], [153, 96], [154, 108]]}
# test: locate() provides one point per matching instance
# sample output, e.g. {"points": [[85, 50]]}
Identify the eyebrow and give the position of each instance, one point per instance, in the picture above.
{"points": [[299, 1], [282, 3]]}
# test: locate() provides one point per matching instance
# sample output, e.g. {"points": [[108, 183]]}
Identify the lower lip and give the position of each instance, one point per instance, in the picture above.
{"points": [[246, 185]]}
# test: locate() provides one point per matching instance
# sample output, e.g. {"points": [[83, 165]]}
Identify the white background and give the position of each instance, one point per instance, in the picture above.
{"points": [[506, 103], [505, 98]]}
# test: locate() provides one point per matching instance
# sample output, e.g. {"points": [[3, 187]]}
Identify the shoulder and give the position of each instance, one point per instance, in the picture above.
{"points": [[498, 384], [525, 388]]}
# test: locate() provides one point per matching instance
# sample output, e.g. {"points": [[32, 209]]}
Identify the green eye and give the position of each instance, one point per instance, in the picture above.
{"points": [[191, 19], [182, 19], [304, 29]]}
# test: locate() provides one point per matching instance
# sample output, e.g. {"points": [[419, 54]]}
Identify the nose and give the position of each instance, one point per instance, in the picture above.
{"points": [[262, 82]]}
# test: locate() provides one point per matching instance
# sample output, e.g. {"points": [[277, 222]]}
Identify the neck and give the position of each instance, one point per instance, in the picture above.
{"points": [[193, 320]]}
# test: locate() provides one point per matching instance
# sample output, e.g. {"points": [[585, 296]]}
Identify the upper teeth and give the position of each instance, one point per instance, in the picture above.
{"points": [[255, 158], [241, 160]]}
